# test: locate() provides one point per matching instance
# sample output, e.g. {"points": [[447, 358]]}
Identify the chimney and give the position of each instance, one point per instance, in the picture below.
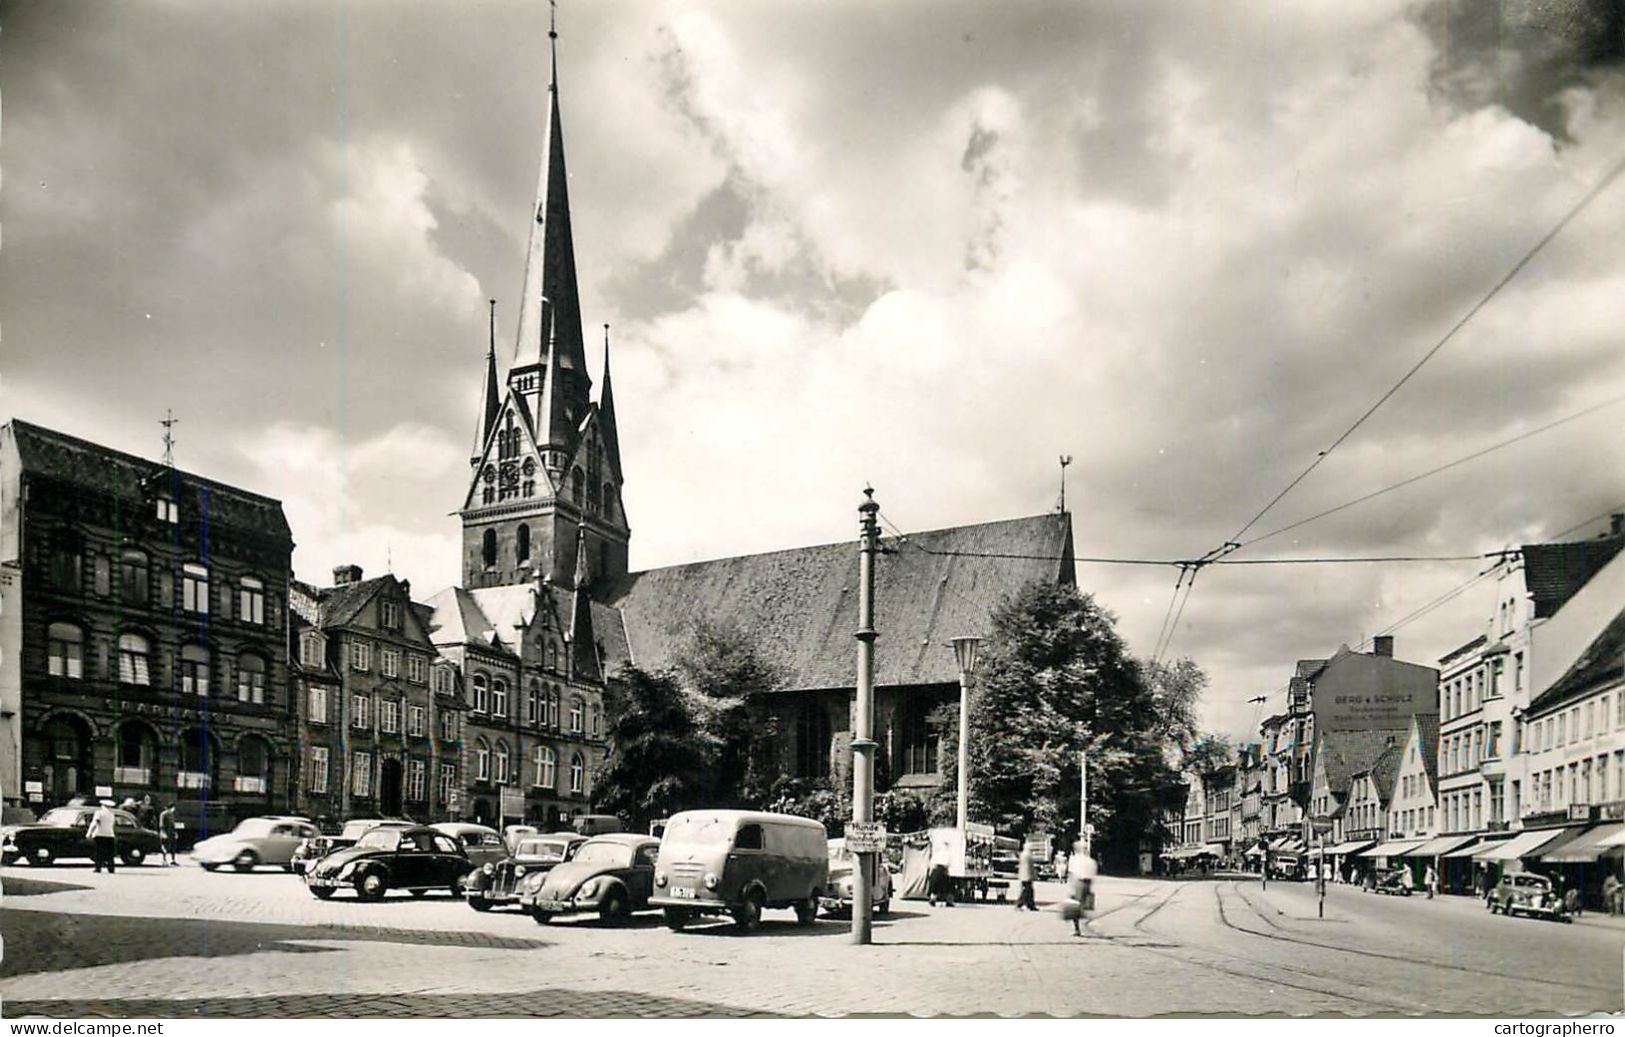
{"points": [[343, 574], [1616, 524], [1383, 645], [406, 589]]}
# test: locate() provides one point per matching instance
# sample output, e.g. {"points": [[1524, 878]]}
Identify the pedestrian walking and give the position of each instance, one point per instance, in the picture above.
{"points": [[1082, 881], [147, 813], [100, 834], [939, 886], [1406, 879], [1024, 875], [1432, 881], [166, 834]]}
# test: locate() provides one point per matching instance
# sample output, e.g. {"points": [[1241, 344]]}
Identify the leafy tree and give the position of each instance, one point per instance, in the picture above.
{"points": [[657, 763], [1206, 754], [1057, 681], [724, 677]]}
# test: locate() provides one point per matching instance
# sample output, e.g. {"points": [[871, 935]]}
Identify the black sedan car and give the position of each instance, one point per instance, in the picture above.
{"points": [[413, 859], [319, 846], [611, 874], [497, 884], [60, 835]]}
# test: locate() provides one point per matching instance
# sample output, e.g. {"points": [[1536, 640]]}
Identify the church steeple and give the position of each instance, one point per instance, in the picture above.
{"points": [[549, 334], [606, 414], [490, 396]]}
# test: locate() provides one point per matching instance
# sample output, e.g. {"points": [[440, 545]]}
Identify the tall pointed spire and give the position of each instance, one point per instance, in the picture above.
{"points": [[606, 415], [490, 396], [550, 265]]}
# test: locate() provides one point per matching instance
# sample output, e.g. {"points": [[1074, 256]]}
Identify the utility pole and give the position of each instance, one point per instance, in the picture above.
{"points": [[863, 743], [965, 650], [1083, 800]]}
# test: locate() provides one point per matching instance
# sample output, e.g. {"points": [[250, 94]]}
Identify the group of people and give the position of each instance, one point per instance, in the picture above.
{"points": [[1079, 871], [103, 823]]}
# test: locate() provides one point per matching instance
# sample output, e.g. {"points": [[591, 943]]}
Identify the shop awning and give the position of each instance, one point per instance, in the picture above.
{"points": [[1349, 847], [1393, 849], [1582, 849], [1522, 845], [1254, 851], [1617, 839], [1287, 844], [1441, 846], [1472, 849]]}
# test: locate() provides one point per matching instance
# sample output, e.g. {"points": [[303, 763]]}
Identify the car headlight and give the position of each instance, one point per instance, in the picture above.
{"points": [[710, 880], [534, 883], [518, 870], [588, 888], [489, 869], [660, 879], [348, 870]]}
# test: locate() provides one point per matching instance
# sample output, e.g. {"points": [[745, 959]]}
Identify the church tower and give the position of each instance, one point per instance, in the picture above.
{"points": [[546, 482]]}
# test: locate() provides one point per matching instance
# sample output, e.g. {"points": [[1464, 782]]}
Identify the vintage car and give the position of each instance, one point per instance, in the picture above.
{"points": [[511, 834], [837, 895], [484, 845], [1530, 894], [492, 885], [60, 835], [610, 874], [738, 863], [1391, 882], [413, 859], [320, 845], [256, 841]]}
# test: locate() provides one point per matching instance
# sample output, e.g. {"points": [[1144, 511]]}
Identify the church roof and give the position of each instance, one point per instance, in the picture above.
{"points": [[43, 451], [800, 606]]}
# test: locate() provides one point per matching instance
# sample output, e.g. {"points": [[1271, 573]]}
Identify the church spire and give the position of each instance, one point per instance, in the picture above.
{"points": [[553, 325], [490, 396], [606, 415]]}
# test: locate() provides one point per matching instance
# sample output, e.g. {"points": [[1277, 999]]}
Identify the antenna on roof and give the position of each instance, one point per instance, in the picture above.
{"points": [[169, 422], [1066, 459]]}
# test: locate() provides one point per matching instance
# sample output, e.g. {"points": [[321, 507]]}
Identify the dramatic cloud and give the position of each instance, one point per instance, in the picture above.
{"points": [[930, 246]]}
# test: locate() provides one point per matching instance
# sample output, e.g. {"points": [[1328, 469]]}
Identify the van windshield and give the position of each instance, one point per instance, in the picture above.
{"points": [[700, 830]]}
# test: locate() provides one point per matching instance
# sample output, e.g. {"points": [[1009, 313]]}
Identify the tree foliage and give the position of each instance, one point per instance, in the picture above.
{"points": [[1206, 754], [1057, 681], [724, 677], [657, 762]]}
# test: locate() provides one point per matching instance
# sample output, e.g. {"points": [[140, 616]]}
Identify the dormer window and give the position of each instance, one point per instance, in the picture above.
{"points": [[391, 615], [166, 509]]}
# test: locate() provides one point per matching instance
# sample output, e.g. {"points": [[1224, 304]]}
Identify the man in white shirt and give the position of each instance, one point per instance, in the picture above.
{"points": [[100, 834]]}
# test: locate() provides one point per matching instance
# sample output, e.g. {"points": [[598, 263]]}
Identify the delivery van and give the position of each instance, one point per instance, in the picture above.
{"points": [[595, 824], [739, 863]]}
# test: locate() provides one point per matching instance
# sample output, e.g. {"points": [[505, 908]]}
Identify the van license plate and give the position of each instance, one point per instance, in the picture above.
{"points": [[679, 891]]}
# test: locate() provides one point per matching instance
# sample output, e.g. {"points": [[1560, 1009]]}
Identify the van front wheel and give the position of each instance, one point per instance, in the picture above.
{"points": [[807, 910], [748, 915], [676, 918]]}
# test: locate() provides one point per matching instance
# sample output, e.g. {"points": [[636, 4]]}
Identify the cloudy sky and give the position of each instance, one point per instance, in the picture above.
{"points": [[929, 245]]}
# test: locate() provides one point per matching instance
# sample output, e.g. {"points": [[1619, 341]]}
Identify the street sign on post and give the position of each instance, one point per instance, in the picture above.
{"points": [[865, 837]]}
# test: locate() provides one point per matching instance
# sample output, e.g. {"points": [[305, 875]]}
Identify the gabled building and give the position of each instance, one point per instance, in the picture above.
{"points": [[153, 632], [1575, 760], [1414, 799], [1341, 757]]}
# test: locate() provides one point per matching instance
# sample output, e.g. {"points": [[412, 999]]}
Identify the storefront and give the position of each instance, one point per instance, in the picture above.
{"points": [[1430, 854], [1385, 856], [1585, 859], [1493, 861], [1342, 861]]}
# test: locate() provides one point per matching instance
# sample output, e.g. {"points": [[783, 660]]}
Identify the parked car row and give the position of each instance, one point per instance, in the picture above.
{"points": [[62, 835]]}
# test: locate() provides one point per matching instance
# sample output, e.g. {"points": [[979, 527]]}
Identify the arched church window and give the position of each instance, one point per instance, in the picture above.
{"points": [[522, 545], [488, 548], [592, 496], [609, 500], [578, 484]]}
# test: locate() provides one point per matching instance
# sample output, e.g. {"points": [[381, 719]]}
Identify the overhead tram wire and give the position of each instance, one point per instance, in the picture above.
{"points": [[1517, 268]]}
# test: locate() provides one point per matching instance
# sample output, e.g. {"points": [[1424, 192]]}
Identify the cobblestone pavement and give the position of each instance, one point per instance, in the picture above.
{"points": [[182, 942]]}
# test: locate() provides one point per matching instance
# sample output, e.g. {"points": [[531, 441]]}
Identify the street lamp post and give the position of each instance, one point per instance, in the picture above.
{"points": [[965, 650], [863, 743]]}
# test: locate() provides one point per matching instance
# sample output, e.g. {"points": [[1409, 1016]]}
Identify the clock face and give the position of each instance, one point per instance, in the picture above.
{"points": [[529, 467], [490, 473], [510, 475]]}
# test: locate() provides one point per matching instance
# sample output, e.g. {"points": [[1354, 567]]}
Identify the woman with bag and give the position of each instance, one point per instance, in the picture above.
{"points": [[1081, 877]]}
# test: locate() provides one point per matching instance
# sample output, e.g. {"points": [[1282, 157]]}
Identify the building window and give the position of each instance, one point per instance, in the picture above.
{"points": [[137, 753], [67, 562], [522, 544], [197, 759], [552, 657], [360, 711], [310, 652], [416, 779], [609, 500], [252, 766], [592, 730], [578, 486], [533, 703], [194, 670], [546, 767], [251, 679], [318, 770], [578, 774], [389, 660], [390, 612], [417, 668], [482, 760], [499, 697], [414, 721], [576, 709], [389, 715], [361, 656], [448, 781], [488, 544], [502, 762], [448, 726], [442, 680], [251, 600], [65, 651], [553, 709], [318, 704], [195, 589], [482, 693], [920, 742], [813, 735], [361, 774], [132, 660], [133, 580]]}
